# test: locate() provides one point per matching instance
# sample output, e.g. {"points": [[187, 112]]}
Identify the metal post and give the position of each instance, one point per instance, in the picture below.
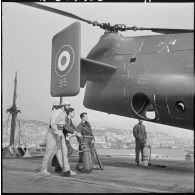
{"points": [[13, 111], [63, 166]]}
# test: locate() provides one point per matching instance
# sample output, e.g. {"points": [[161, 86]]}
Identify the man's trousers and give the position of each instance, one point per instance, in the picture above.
{"points": [[53, 146], [55, 162], [138, 147]]}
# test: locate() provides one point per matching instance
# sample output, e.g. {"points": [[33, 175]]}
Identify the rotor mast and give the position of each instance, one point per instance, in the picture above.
{"points": [[13, 111]]}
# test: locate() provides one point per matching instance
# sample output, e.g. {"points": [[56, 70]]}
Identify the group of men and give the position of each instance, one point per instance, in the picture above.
{"points": [[58, 148]]}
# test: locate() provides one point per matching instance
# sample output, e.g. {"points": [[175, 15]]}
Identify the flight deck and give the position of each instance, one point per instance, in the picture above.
{"points": [[120, 175]]}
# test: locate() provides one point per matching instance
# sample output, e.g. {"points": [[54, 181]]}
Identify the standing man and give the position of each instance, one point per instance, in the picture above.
{"points": [[69, 128], [55, 162], [85, 129], [53, 145], [67, 105], [139, 132]]}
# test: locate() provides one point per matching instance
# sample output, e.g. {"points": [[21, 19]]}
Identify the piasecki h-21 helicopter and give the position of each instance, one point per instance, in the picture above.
{"points": [[127, 76]]}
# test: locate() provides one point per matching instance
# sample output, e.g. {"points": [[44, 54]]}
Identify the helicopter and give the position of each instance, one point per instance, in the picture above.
{"points": [[127, 76]]}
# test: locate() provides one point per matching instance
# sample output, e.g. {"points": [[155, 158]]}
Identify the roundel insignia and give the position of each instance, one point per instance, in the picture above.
{"points": [[64, 60]]}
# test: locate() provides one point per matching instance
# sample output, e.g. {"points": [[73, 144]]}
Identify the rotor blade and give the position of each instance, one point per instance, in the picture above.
{"points": [[134, 28], [56, 11], [161, 30], [167, 30]]}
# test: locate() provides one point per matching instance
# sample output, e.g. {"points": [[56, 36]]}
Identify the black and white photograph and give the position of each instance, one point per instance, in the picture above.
{"points": [[97, 97]]}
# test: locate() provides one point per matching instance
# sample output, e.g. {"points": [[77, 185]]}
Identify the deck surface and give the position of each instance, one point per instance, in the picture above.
{"points": [[120, 175]]}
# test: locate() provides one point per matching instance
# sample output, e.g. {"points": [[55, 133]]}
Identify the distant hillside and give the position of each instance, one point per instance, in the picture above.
{"points": [[117, 130], [100, 130], [26, 121], [38, 123]]}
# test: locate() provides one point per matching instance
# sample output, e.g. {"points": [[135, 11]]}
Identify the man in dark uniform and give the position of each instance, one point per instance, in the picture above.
{"points": [[139, 132], [69, 129], [70, 149], [85, 129]]}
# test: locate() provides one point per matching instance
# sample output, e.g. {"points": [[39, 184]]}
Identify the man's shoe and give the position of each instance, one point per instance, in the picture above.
{"points": [[137, 163], [86, 171], [95, 168], [44, 173], [73, 173], [65, 174]]}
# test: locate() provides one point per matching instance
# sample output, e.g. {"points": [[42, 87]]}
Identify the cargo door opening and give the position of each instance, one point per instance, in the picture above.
{"points": [[143, 107]]}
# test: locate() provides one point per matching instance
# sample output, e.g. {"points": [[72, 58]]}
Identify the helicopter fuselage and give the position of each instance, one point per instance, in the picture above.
{"points": [[153, 81], [131, 76]]}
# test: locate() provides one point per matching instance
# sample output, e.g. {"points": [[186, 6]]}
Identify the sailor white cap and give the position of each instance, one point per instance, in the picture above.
{"points": [[65, 102], [56, 103]]}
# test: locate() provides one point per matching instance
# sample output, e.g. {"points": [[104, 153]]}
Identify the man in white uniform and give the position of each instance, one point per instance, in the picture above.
{"points": [[55, 143], [54, 161]]}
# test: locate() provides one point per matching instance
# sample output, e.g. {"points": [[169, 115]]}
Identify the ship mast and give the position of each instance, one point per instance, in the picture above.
{"points": [[13, 111]]}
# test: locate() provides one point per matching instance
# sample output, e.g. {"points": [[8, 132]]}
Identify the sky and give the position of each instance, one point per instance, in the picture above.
{"points": [[27, 42]]}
